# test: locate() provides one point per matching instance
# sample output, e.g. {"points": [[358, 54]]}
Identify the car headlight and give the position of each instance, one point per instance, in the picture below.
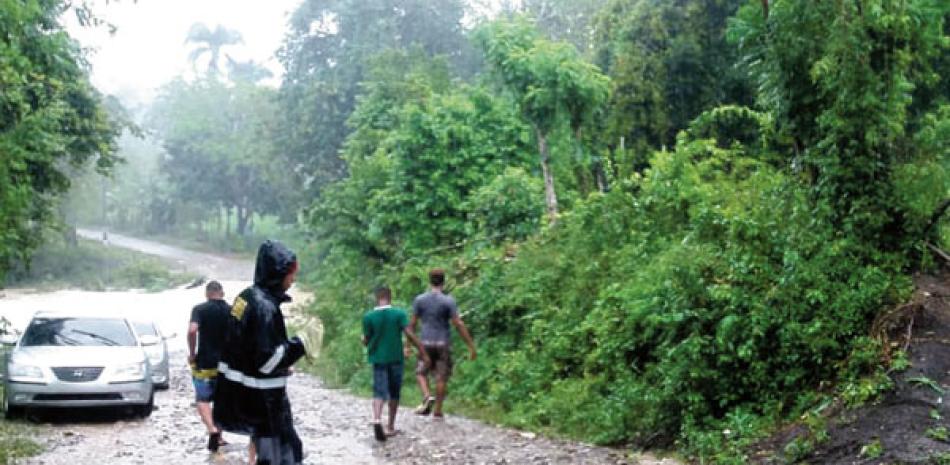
{"points": [[155, 356], [24, 373], [130, 372]]}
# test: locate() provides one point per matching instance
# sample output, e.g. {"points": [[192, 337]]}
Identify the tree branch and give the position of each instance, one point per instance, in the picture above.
{"points": [[941, 209], [765, 9], [940, 253]]}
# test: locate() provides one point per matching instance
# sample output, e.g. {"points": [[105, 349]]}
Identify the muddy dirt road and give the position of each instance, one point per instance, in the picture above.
{"points": [[333, 424]]}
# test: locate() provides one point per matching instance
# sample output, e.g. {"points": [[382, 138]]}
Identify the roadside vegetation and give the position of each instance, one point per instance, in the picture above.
{"points": [[16, 441], [669, 224], [94, 266], [724, 229]]}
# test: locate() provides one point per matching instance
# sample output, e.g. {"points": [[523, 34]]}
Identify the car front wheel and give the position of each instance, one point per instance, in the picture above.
{"points": [[144, 411], [10, 412]]}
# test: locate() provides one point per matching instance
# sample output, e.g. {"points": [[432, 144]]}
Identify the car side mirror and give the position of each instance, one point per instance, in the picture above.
{"points": [[8, 339], [149, 340]]}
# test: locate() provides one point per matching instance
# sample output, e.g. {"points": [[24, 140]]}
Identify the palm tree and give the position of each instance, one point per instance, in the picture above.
{"points": [[211, 42]]}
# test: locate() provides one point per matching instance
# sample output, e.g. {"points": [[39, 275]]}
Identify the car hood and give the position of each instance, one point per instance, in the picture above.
{"points": [[81, 356]]}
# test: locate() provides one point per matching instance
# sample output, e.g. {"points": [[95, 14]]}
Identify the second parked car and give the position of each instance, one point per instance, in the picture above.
{"points": [[156, 348]]}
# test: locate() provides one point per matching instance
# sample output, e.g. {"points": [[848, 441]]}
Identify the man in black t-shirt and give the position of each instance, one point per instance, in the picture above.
{"points": [[208, 328]]}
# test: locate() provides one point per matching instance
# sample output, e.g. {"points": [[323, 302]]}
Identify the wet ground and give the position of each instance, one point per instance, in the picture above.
{"points": [[333, 424]]}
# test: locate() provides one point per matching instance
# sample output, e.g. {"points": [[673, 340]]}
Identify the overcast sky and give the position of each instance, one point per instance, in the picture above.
{"points": [[149, 49]]}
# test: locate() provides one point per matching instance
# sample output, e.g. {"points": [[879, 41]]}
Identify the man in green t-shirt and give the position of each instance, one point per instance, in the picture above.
{"points": [[383, 328]]}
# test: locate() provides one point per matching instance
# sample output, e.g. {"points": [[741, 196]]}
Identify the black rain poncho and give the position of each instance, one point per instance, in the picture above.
{"points": [[251, 393]]}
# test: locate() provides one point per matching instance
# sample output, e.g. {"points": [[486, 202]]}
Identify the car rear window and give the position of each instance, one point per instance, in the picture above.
{"points": [[144, 329], [78, 332]]}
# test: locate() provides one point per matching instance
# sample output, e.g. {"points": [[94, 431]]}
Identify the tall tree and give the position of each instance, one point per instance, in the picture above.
{"points": [[218, 139], [248, 72], [566, 20], [52, 121], [326, 55], [210, 42], [550, 82], [420, 148], [669, 61], [851, 124]]}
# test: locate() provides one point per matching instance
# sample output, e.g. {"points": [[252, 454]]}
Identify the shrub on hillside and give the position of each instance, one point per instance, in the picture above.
{"points": [[705, 289]]}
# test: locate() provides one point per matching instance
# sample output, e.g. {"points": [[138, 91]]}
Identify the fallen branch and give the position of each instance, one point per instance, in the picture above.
{"points": [[888, 322], [909, 335], [939, 252]]}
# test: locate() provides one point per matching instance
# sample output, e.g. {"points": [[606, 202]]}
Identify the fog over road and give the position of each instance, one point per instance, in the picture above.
{"points": [[333, 424]]}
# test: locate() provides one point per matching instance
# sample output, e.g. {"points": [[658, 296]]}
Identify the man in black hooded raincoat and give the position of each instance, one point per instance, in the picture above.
{"points": [[251, 393]]}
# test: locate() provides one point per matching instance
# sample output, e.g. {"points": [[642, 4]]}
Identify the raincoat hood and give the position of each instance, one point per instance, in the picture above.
{"points": [[274, 262]]}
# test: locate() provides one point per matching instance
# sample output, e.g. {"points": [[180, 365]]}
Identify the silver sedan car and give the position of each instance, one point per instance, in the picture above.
{"points": [[77, 360], [156, 348]]}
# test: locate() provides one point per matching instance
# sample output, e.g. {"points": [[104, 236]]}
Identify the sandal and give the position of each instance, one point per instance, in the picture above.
{"points": [[426, 407], [379, 432], [392, 432], [215, 441], [438, 417]]}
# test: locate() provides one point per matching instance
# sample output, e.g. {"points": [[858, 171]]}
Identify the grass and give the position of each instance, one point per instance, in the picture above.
{"points": [[89, 265], [15, 441]]}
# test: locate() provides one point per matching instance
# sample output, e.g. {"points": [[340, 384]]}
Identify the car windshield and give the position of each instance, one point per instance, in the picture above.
{"points": [[144, 329], [78, 332]]}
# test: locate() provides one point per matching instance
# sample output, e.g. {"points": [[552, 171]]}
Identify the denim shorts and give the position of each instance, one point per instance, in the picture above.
{"points": [[387, 380], [204, 389]]}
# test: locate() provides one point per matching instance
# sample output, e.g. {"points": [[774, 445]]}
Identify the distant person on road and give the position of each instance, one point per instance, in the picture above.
{"points": [[206, 333], [437, 310], [383, 328], [251, 396]]}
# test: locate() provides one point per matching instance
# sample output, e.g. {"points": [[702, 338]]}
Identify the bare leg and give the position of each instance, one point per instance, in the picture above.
{"points": [[424, 386], [393, 408], [378, 410], [204, 411], [251, 453], [440, 388]]}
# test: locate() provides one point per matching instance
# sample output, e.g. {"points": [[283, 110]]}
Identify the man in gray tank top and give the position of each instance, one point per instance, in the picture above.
{"points": [[437, 311]]}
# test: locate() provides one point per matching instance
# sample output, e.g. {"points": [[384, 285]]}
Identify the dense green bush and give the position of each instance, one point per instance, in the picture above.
{"points": [[53, 121], [507, 206], [706, 288], [709, 292]]}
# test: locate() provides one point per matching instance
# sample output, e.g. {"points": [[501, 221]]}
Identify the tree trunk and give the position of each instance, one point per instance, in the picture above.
{"points": [[935, 218], [596, 165], [243, 213], [600, 174], [227, 222], [550, 196]]}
